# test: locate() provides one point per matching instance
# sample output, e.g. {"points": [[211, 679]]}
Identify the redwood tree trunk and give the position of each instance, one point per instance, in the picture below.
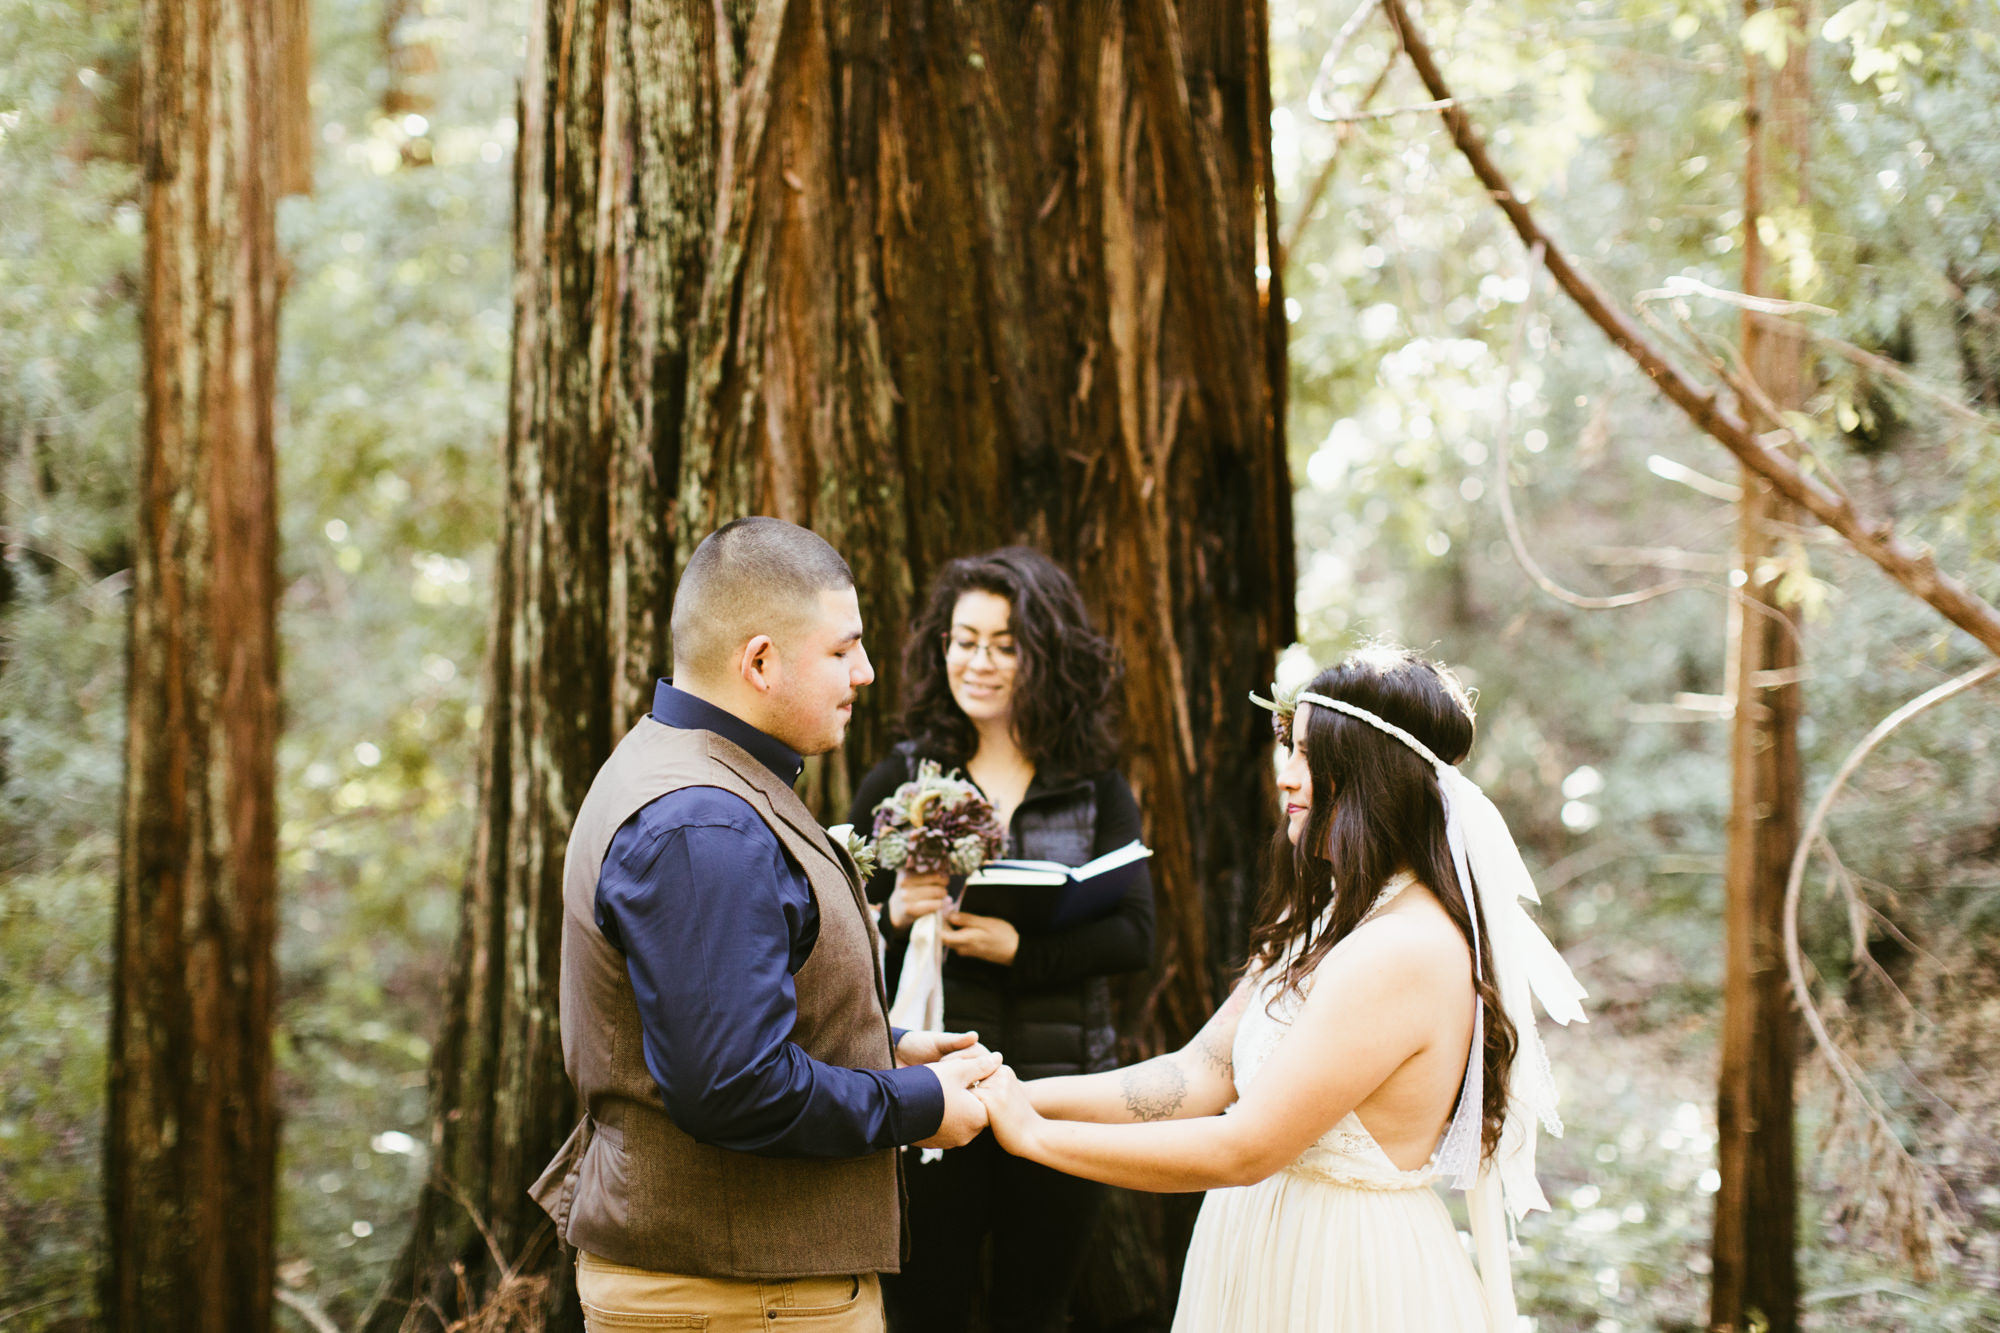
{"points": [[191, 1134], [1756, 1281], [927, 278]]}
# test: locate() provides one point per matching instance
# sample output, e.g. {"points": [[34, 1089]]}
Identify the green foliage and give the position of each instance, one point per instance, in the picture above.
{"points": [[69, 252], [393, 376], [392, 383], [1419, 354]]}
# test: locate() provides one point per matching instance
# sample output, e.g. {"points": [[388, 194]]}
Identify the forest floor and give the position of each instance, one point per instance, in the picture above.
{"points": [[1625, 1245]]}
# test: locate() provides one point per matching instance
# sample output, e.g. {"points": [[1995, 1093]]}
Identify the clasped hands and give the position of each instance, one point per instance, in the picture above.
{"points": [[979, 1089]]}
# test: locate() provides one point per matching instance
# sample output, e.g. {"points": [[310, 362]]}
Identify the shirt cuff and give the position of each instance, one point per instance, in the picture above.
{"points": [[896, 1036], [916, 1100]]}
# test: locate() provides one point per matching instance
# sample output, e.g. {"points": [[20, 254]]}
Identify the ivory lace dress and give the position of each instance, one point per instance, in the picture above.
{"points": [[1340, 1241]]}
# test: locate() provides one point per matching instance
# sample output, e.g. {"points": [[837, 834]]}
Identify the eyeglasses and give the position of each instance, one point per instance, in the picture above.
{"points": [[964, 650]]}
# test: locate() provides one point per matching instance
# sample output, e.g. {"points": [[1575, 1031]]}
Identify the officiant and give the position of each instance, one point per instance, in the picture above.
{"points": [[1006, 680]]}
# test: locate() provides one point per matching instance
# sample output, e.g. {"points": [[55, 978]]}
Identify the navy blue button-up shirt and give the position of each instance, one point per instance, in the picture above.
{"points": [[714, 920]]}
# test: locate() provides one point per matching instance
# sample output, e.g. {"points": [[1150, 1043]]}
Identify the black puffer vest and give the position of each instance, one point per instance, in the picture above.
{"points": [[1043, 1031]]}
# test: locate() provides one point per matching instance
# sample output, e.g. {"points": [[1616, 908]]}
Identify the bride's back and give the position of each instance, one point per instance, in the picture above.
{"points": [[1406, 1115]]}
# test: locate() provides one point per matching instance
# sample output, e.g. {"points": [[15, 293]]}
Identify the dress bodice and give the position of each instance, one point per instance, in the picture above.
{"points": [[1347, 1154]]}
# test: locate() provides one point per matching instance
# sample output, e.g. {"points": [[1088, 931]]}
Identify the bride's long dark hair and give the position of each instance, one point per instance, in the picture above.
{"points": [[1376, 810]]}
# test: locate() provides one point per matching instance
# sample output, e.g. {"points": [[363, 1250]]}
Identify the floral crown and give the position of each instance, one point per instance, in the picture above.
{"points": [[1283, 706]]}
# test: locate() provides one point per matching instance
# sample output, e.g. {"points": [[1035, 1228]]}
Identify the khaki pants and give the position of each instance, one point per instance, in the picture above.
{"points": [[616, 1298]]}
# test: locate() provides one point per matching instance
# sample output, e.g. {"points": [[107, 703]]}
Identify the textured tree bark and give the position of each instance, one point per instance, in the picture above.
{"points": [[190, 1139], [291, 40], [1756, 1281], [928, 278]]}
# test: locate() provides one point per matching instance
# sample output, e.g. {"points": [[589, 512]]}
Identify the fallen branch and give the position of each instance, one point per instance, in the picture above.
{"points": [[1814, 833], [1911, 565]]}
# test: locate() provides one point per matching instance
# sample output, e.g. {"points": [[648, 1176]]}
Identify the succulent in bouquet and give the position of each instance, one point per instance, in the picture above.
{"points": [[936, 823]]}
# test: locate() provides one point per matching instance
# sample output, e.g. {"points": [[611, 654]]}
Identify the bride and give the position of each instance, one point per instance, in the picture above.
{"points": [[1382, 1037]]}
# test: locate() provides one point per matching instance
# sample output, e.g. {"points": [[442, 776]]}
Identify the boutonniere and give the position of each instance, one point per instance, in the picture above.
{"points": [[858, 847], [863, 852]]}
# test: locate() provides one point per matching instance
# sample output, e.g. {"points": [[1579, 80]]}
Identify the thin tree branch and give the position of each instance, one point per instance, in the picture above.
{"points": [[1342, 133], [1725, 358], [305, 1310], [1316, 96], [1880, 365], [1911, 565], [1795, 964], [1749, 390], [1503, 492], [1682, 285], [1356, 116]]}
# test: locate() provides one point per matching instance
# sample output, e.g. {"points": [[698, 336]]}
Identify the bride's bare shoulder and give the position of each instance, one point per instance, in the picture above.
{"points": [[1413, 932]]}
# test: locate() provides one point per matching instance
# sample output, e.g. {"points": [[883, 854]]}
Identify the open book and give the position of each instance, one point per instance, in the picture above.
{"points": [[1040, 896]]}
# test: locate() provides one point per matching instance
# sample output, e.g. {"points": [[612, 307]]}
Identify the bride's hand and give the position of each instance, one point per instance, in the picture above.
{"points": [[1012, 1116]]}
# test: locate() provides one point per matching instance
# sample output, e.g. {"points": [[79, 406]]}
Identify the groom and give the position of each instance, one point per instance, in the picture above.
{"points": [[721, 1000]]}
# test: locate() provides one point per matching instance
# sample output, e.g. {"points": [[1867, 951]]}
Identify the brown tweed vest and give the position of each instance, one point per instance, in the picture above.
{"points": [[629, 1186]]}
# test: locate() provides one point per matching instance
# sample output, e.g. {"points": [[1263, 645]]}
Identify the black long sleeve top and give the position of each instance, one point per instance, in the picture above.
{"points": [[1050, 1008]]}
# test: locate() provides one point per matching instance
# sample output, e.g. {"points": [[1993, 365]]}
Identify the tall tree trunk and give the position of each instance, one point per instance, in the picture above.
{"points": [[190, 1139], [1756, 1280], [929, 279]]}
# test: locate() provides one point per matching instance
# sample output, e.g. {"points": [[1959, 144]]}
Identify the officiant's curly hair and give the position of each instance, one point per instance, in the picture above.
{"points": [[1065, 683], [1376, 809]]}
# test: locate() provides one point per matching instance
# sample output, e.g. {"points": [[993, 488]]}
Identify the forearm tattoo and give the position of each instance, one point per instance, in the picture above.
{"points": [[1153, 1090]]}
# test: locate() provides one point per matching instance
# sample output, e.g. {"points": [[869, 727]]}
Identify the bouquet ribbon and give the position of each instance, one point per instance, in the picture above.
{"points": [[919, 999], [919, 1002]]}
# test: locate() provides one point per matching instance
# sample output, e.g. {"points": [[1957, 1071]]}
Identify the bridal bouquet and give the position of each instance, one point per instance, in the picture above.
{"points": [[938, 823]]}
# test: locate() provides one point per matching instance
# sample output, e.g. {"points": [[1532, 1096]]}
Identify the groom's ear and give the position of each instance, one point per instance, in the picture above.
{"points": [[758, 662]]}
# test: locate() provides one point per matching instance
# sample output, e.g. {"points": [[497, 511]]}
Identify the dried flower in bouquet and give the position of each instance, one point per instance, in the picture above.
{"points": [[936, 823]]}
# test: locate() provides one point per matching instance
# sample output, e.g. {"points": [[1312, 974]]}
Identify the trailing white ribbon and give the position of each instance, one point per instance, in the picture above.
{"points": [[1526, 968], [919, 1000], [920, 989]]}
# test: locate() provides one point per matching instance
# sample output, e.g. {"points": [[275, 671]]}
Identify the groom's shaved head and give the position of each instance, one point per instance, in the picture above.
{"points": [[754, 576]]}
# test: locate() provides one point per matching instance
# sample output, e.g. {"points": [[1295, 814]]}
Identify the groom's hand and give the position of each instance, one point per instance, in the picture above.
{"points": [[964, 1113], [922, 1048]]}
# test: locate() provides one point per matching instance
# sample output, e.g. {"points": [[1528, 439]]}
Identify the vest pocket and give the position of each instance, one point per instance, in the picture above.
{"points": [[602, 1203], [556, 1187]]}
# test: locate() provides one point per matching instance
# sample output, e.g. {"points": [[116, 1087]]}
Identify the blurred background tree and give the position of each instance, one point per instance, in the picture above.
{"points": [[1603, 734], [190, 1148]]}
